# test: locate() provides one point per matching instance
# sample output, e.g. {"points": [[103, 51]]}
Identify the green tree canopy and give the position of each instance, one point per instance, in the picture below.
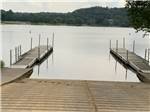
{"points": [[139, 14], [93, 16]]}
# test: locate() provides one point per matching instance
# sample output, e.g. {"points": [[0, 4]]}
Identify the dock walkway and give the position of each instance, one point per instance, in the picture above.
{"points": [[39, 95], [11, 74], [139, 64], [33, 56]]}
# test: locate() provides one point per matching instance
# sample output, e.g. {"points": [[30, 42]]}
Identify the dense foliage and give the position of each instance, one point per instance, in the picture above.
{"points": [[94, 16], [139, 14], [2, 64]]}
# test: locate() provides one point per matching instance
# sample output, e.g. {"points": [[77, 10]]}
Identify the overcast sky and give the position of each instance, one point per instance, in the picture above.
{"points": [[57, 5]]}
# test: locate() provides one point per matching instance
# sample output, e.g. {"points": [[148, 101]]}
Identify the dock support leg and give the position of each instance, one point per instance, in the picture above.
{"points": [[117, 46], [15, 55], [127, 55], [148, 55], [110, 44], [31, 43], [53, 40], [39, 46], [124, 43], [47, 44], [18, 53], [134, 46], [20, 50], [10, 57], [145, 54]]}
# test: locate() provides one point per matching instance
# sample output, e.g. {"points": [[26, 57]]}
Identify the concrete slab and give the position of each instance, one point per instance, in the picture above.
{"points": [[37, 95]]}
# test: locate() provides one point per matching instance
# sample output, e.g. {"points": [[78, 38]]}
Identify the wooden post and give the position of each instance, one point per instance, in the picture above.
{"points": [[117, 45], [53, 41], [20, 50], [31, 43], [15, 55], [39, 46], [148, 54], [110, 44], [124, 43], [145, 54], [10, 57], [134, 46], [18, 53], [47, 43], [127, 55]]}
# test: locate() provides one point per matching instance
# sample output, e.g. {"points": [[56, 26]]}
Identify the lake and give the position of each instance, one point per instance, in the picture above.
{"points": [[80, 52]]}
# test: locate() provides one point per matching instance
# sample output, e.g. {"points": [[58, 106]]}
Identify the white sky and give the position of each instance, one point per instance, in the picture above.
{"points": [[56, 5]]}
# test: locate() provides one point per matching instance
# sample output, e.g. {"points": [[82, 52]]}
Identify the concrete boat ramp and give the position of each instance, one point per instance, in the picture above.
{"points": [[39, 95]]}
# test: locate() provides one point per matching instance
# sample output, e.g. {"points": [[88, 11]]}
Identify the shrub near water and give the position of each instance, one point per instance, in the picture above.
{"points": [[2, 64]]}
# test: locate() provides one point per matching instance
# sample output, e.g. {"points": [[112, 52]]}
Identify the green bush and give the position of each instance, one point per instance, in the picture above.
{"points": [[2, 64]]}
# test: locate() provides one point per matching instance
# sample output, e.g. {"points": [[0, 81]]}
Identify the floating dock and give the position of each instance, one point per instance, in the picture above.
{"points": [[9, 75], [28, 59], [22, 68], [39, 95], [137, 63]]}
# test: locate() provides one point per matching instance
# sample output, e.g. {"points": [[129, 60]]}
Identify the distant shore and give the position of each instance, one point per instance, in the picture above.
{"points": [[30, 23]]}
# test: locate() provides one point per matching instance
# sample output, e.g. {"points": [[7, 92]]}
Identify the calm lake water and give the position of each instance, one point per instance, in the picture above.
{"points": [[79, 52]]}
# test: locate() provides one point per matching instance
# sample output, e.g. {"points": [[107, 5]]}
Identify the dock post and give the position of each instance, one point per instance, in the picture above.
{"points": [[134, 46], [39, 46], [117, 45], [31, 43], [148, 55], [47, 43], [53, 40], [110, 45], [124, 43], [10, 57], [145, 54], [18, 53], [15, 55], [20, 50], [127, 55]]}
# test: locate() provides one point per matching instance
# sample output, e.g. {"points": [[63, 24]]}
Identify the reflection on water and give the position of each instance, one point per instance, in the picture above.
{"points": [[79, 52]]}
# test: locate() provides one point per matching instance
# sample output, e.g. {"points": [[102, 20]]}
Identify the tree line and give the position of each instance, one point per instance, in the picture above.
{"points": [[94, 16]]}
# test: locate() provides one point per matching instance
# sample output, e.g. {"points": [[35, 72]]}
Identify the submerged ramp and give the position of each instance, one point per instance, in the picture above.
{"points": [[139, 64], [38, 95], [33, 56]]}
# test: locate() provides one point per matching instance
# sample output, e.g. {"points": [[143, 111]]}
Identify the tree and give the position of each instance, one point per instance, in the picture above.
{"points": [[139, 14], [2, 64]]}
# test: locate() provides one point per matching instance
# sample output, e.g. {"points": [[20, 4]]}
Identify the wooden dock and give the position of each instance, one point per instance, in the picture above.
{"points": [[33, 56], [9, 75], [137, 63], [38, 95]]}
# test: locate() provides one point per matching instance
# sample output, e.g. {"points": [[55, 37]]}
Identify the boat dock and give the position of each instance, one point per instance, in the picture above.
{"points": [[137, 63], [39, 95], [28, 59], [9, 75], [22, 68]]}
